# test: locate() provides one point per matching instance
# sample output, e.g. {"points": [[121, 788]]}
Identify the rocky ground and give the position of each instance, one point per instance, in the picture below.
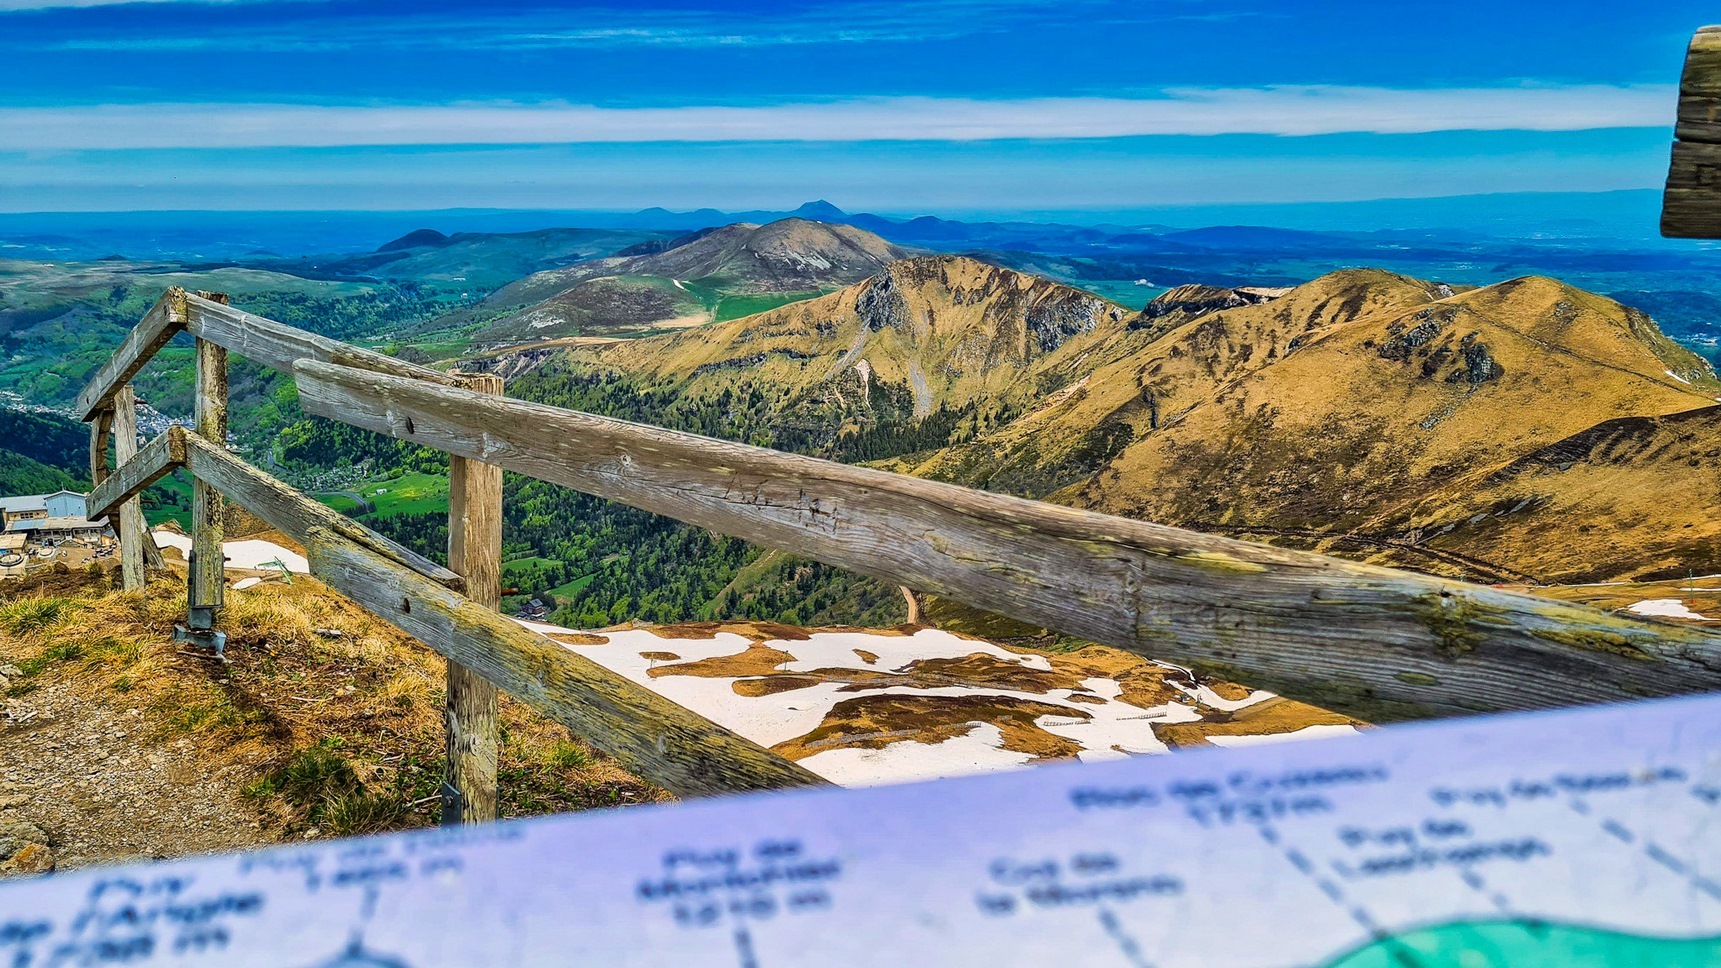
{"points": [[77, 789], [116, 744]]}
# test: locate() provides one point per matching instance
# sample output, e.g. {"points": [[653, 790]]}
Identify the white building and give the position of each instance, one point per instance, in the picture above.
{"points": [[49, 519], [57, 529], [60, 504]]}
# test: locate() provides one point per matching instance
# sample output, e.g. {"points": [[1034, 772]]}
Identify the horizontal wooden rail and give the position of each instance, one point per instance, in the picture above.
{"points": [[156, 460], [262, 341], [278, 346], [295, 514], [163, 321], [1691, 207], [1371, 641], [651, 736]]}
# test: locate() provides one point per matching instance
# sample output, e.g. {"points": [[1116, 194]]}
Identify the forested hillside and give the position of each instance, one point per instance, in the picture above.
{"points": [[41, 453]]}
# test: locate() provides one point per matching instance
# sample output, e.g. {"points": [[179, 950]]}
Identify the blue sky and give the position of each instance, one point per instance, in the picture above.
{"points": [[944, 105]]}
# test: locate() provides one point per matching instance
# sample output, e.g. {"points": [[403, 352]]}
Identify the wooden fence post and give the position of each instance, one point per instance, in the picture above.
{"points": [[130, 526], [101, 435], [469, 790], [208, 571]]}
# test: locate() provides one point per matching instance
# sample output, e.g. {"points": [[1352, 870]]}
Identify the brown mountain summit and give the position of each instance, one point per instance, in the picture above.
{"points": [[686, 282], [1523, 430]]}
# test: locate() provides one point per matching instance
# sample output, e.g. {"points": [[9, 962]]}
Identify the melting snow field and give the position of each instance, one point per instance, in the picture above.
{"points": [[870, 707], [248, 555], [1665, 608]]}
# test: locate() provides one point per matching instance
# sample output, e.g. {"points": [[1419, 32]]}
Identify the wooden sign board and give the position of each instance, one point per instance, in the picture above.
{"points": [[1575, 837], [1691, 208]]}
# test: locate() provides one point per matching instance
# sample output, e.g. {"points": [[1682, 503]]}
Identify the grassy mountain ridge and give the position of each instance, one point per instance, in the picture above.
{"points": [[683, 281], [928, 335], [1363, 413]]}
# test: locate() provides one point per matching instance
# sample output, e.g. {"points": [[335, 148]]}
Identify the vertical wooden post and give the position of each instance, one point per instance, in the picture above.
{"points": [[130, 526], [101, 435], [469, 790], [208, 575]]}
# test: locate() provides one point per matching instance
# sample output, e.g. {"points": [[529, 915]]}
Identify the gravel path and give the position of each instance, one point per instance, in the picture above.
{"points": [[72, 767]]}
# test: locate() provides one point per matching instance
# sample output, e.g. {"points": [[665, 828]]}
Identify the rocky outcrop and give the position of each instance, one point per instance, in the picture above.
{"points": [[1424, 327], [1190, 301], [1479, 365], [1063, 313], [24, 846], [881, 304]]}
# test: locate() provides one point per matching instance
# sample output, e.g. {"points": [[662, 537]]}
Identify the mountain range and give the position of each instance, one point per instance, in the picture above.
{"points": [[1514, 432]]}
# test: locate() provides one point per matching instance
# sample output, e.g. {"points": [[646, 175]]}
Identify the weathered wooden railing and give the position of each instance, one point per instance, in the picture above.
{"points": [[1691, 207], [1372, 641]]}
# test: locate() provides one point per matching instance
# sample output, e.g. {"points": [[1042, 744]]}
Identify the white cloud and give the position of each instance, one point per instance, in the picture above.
{"points": [[1286, 111]]}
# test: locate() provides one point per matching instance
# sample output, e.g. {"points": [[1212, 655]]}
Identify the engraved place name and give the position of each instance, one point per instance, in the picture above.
{"points": [[703, 886], [739, 888], [1083, 880], [374, 863], [1559, 785], [1243, 796], [1435, 843], [1260, 797], [130, 920]]}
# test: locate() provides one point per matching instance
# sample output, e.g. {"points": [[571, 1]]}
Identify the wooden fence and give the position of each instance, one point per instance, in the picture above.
{"points": [[1375, 642]]}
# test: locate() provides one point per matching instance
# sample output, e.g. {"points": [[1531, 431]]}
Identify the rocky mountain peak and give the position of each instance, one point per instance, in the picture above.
{"points": [[912, 291]]}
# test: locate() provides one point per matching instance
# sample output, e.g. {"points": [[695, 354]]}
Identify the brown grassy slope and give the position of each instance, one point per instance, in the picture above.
{"points": [[1112, 387], [1363, 413], [605, 305], [926, 333], [1381, 412], [1636, 498], [338, 732]]}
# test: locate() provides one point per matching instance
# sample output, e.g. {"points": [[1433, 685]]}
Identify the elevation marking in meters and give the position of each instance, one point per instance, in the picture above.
{"points": [[738, 888]]}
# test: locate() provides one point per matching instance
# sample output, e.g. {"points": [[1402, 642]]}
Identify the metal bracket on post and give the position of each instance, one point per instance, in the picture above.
{"points": [[198, 632], [453, 804]]}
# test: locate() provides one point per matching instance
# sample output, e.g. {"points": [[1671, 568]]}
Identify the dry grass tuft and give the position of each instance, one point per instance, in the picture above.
{"points": [[332, 717]]}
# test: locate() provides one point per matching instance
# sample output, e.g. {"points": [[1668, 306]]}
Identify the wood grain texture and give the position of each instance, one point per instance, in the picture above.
{"points": [[1691, 205], [208, 509], [278, 346], [165, 319], [129, 523], [1700, 89], [650, 736], [293, 513], [1374, 642], [101, 436], [475, 553], [149, 464]]}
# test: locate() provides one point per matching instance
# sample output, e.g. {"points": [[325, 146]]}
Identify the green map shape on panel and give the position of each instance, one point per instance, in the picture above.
{"points": [[1529, 944]]}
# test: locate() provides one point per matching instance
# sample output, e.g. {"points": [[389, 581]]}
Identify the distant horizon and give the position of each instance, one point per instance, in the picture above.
{"points": [[964, 106], [1021, 213], [1513, 204]]}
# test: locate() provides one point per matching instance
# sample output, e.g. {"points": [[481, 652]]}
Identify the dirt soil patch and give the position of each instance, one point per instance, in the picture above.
{"points": [[116, 744]]}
